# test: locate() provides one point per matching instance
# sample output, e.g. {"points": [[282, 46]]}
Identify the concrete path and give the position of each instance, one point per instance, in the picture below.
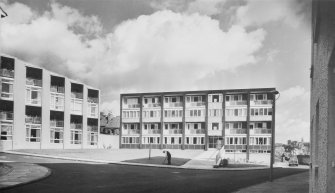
{"points": [[297, 183], [22, 173]]}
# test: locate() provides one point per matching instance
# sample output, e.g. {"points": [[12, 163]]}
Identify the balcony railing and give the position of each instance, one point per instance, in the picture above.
{"points": [[196, 104], [92, 100], [152, 105], [262, 131], [174, 131], [263, 102], [33, 120], [34, 82], [132, 131], [6, 73], [57, 89], [56, 123], [236, 102], [92, 128], [177, 104], [76, 126], [237, 131], [6, 116], [154, 131], [33, 101], [197, 131], [133, 106], [77, 95]]}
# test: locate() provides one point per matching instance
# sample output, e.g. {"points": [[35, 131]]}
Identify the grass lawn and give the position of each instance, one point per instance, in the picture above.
{"points": [[159, 160]]}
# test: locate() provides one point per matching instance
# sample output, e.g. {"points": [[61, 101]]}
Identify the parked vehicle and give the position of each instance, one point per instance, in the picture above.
{"points": [[293, 161]]}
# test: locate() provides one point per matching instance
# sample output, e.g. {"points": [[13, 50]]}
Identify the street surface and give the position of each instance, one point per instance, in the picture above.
{"points": [[72, 176]]}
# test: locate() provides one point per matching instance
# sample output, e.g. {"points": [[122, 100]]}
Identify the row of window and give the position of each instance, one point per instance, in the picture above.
{"points": [[33, 134], [214, 126], [211, 98], [236, 112], [166, 140]]}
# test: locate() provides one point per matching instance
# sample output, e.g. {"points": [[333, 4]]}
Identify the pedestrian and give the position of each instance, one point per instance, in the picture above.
{"points": [[168, 157]]}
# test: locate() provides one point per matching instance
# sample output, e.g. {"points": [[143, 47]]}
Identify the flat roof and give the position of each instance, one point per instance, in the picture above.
{"points": [[232, 91]]}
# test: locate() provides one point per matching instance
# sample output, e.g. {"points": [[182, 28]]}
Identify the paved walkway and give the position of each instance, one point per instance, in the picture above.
{"points": [[22, 173], [297, 183], [30, 172]]}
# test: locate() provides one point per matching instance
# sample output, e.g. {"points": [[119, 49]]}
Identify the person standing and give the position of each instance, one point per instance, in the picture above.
{"points": [[168, 157]]}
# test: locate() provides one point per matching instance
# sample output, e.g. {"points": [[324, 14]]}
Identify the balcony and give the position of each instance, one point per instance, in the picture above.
{"points": [[237, 131], [92, 100], [261, 102], [172, 131], [195, 104], [195, 131], [57, 89], [151, 131], [130, 132], [76, 95], [235, 103], [6, 116], [6, 73], [92, 128], [33, 120], [151, 105], [171, 105], [33, 82], [76, 126], [56, 123], [262, 131]]}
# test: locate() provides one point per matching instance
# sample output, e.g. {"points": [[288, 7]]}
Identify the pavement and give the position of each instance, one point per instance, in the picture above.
{"points": [[22, 173]]}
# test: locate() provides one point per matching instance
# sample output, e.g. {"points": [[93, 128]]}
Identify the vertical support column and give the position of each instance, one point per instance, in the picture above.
{"points": [[206, 122], [84, 117], [121, 127], [99, 136], [184, 123], [19, 97], [223, 118], [273, 137], [67, 114], [248, 127], [162, 120], [45, 130], [141, 119]]}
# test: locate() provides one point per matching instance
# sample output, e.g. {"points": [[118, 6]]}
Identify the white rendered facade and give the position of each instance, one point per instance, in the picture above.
{"points": [[241, 120], [40, 109]]}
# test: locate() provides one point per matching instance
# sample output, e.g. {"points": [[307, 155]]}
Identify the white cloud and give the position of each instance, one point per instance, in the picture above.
{"points": [[259, 12], [203, 7]]}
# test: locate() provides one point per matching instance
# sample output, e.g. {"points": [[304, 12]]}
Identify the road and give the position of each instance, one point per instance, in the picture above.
{"points": [[70, 176]]}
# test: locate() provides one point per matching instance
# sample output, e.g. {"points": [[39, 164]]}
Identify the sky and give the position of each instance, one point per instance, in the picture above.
{"points": [[122, 46]]}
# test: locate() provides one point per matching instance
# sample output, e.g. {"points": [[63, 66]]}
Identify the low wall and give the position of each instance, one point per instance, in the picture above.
{"points": [[108, 141]]}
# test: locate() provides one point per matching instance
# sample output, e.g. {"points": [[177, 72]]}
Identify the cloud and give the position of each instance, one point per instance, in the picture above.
{"points": [[203, 7], [164, 49], [259, 12]]}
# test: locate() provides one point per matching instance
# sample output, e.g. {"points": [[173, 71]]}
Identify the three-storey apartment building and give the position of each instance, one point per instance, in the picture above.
{"points": [[41, 109], [241, 120]]}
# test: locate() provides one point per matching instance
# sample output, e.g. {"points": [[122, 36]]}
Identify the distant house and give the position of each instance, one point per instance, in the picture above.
{"points": [[109, 124]]}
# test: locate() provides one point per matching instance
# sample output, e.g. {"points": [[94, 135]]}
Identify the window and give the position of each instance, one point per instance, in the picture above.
{"points": [[33, 96], [6, 131], [7, 88], [33, 133], [56, 135], [215, 98], [76, 136], [215, 126], [187, 140], [76, 105], [194, 140]]}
